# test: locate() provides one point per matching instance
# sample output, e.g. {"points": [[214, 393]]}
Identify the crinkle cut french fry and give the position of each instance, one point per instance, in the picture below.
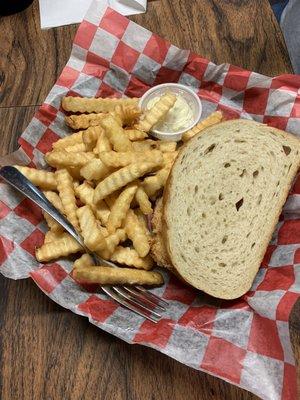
{"points": [[91, 135], [55, 200], [84, 121], [103, 144], [83, 262], [144, 145], [62, 159], [120, 178], [115, 159], [126, 114], [135, 134], [128, 256], [97, 105], [71, 140], [169, 158], [110, 200], [94, 170], [212, 119], [156, 113], [152, 184], [114, 239], [44, 179], [67, 195], [117, 276], [54, 226], [51, 236], [75, 173], [143, 222], [166, 147], [136, 233], [61, 247], [92, 236], [143, 201], [115, 134], [75, 148], [85, 193], [120, 208]]}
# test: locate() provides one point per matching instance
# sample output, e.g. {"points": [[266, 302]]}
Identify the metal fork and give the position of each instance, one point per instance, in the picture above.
{"points": [[135, 298]]}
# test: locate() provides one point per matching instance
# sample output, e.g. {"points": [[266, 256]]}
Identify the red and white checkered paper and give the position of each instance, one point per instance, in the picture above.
{"points": [[245, 342]]}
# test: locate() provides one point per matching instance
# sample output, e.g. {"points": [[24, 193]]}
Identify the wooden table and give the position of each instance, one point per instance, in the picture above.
{"points": [[46, 352]]}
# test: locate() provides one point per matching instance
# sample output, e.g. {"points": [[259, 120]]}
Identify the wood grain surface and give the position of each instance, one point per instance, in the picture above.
{"points": [[46, 352]]}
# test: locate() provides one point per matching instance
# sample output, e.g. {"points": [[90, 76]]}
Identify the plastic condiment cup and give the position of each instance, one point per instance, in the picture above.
{"points": [[188, 94]]}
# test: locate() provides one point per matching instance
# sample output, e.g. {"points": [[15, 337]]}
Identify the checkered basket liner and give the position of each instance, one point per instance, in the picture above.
{"points": [[246, 341]]}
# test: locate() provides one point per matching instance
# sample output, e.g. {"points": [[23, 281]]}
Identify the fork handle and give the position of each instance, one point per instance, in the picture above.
{"points": [[16, 179]]}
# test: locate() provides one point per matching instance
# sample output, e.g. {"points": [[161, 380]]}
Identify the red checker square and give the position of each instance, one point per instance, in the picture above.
{"points": [[30, 211], [156, 48], [85, 34], [45, 143], [27, 147], [125, 57], [228, 113], [264, 338], [46, 114], [165, 75], [210, 91], [67, 77], [296, 108], [107, 91], [297, 257], [296, 186], [289, 386], [49, 277], [276, 122], [95, 66], [286, 82], [289, 232], [176, 290], [200, 318], [6, 247], [255, 100], [114, 23], [157, 334], [136, 87], [285, 305], [34, 240], [237, 78], [267, 257], [98, 309], [278, 279], [196, 66], [224, 359], [4, 210]]}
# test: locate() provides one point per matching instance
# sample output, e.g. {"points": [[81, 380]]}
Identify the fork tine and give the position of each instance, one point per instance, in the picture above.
{"points": [[135, 292], [135, 301], [152, 296], [128, 305]]}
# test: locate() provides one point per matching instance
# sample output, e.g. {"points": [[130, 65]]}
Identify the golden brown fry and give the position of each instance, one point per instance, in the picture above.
{"points": [[92, 236], [86, 193], [166, 147], [120, 178], [110, 200], [91, 135], [144, 145], [51, 236], [95, 170], [135, 134], [61, 247], [156, 113], [75, 173], [84, 261], [115, 134], [117, 276], [70, 140], [44, 179], [67, 195], [143, 222], [84, 121], [152, 184], [212, 119], [143, 201], [54, 226], [136, 233], [128, 256], [62, 159], [55, 200], [120, 208], [103, 144], [169, 158], [115, 159], [126, 114], [75, 148], [114, 239], [97, 105]]}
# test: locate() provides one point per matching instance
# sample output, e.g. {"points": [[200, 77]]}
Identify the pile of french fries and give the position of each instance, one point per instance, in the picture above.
{"points": [[107, 175]]}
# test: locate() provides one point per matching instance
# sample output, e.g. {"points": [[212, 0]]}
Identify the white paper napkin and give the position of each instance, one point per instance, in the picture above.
{"points": [[64, 12]]}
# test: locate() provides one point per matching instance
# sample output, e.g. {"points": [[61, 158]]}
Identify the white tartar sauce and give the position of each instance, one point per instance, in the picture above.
{"points": [[178, 117]]}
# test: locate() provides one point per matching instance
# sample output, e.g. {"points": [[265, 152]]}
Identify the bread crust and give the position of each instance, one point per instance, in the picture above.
{"points": [[264, 244]]}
